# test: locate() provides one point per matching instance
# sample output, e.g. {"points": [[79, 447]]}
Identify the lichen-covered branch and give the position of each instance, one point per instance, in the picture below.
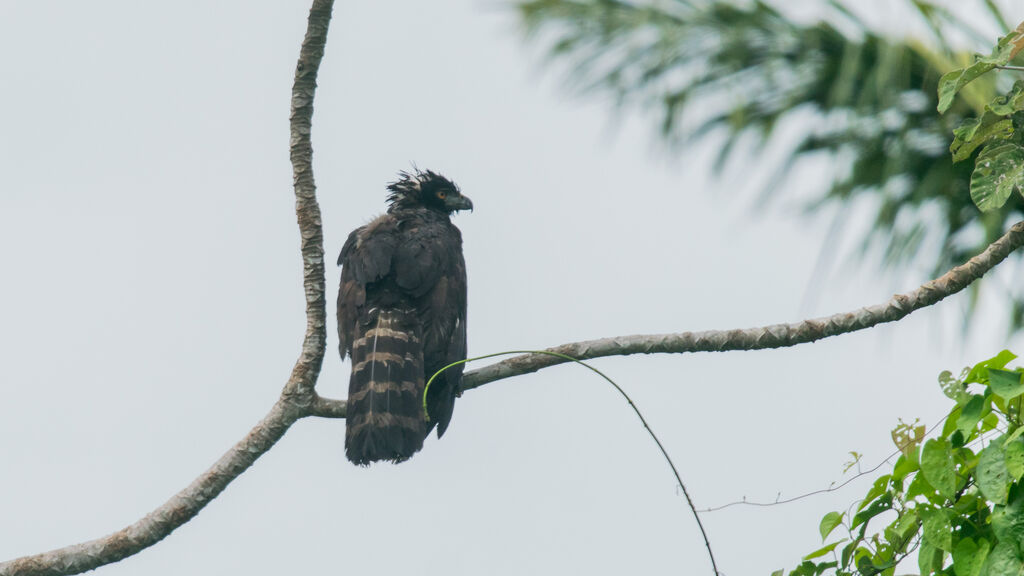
{"points": [[759, 338], [298, 396], [328, 408], [307, 368], [774, 336]]}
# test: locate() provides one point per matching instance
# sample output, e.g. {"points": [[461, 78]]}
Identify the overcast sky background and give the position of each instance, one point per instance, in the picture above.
{"points": [[151, 304]]}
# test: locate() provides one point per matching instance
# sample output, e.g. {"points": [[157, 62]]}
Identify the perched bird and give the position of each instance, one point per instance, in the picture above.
{"points": [[402, 317]]}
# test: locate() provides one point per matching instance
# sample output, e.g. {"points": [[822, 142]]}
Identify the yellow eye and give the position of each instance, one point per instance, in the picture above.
{"points": [[441, 194]]}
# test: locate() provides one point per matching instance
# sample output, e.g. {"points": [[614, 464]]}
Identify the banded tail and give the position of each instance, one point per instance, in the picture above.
{"points": [[385, 418]]}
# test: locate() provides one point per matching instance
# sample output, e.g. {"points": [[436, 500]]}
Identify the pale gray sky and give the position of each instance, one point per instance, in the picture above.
{"points": [[151, 305]]}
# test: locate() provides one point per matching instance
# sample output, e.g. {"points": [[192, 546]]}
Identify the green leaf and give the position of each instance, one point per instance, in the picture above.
{"points": [[877, 489], [1007, 384], [949, 427], [907, 437], [990, 422], [970, 504], [965, 133], [829, 523], [1015, 459], [974, 133], [806, 569], [970, 415], [938, 467], [968, 557], [823, 550], [979, 372], [906, 465], [905, 525], [929, 558], [1008, 521], [1003, 105], [951, 386], [848, 551], [1001, 360], [825, 567], [998, 171], [957, 439], [919, 486], [779, 573], [992, 475], [953, 82], [1002, 561], [937, 530], [868, 566], [882, 504], [1014, 435], [1008, 103]]}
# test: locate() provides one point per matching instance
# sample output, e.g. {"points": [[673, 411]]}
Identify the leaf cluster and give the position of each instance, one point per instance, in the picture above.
{"points": [[996, 134], [957, 499]]}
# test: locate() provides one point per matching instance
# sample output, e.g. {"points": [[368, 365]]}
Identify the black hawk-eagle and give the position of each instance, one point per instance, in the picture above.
{"points": [[402, 317]]}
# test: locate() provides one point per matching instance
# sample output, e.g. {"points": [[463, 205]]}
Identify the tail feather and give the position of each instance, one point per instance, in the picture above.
{"points": [[385, 416]]}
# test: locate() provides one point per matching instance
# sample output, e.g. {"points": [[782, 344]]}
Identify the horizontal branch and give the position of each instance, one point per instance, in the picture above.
{"points": [[327, 408], [759, 338], [773, 336]]}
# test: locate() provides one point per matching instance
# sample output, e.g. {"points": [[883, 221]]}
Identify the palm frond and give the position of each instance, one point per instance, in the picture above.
{"points": [[713, 67]]}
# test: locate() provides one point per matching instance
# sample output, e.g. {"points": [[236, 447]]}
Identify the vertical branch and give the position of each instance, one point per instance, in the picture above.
{"points": [[307, 368], [297, 397]]}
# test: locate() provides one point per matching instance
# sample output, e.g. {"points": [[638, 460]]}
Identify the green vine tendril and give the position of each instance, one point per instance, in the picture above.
{"points": [[675, 472]]}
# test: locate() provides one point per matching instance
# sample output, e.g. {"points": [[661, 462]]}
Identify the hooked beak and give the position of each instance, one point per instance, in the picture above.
{"points": [[454, 203]]}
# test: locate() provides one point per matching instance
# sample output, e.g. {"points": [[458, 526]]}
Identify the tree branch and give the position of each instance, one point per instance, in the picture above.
{"points": [[298, 396], [327, 408], [773, 336], [307, 368]]}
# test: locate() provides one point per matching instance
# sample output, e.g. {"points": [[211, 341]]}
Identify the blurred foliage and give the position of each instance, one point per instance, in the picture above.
{"points": [[997, 134], [714, 67], [957, 499]]}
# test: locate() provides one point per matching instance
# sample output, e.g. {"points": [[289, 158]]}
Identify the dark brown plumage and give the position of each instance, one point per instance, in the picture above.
{"points": [[402, 317]]}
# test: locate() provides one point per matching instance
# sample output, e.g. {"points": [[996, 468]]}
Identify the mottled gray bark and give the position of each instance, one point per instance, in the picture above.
{"points": [[773, 336], [761, 337], [297, 397], [307, 369]]}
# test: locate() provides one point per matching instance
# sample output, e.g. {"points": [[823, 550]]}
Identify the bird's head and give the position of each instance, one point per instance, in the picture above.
{"points": [[427, 189]]}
